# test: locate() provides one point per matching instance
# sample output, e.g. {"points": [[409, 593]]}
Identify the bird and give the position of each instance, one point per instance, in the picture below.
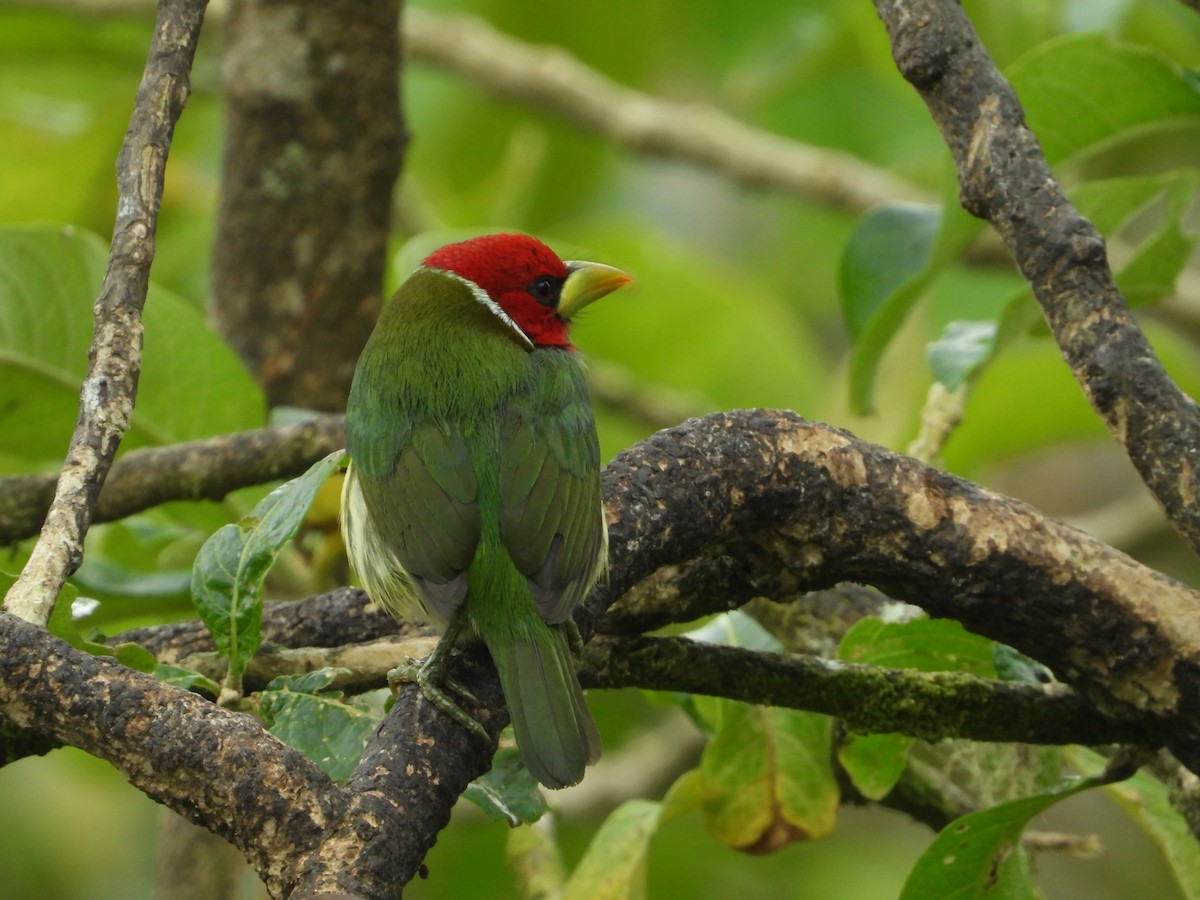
{"points": [[472, 499]]}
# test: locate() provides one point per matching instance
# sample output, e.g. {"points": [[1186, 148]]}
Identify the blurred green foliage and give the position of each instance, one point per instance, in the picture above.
{"points": [[742, 300]]}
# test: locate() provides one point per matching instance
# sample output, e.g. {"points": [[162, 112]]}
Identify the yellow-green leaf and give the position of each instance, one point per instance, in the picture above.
{"points": [[766, 779], [614, 866]]}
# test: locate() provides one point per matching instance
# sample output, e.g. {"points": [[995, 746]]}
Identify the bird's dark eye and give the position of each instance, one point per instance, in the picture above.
{"points": [[545, 289]]}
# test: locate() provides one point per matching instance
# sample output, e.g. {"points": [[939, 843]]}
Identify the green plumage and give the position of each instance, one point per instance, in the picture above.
{"points": [[475, 486]]}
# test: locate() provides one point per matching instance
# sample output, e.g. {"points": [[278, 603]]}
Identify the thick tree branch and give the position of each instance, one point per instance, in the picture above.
{"points": [[831, 507], [222, 770], [313, 142], [813, 507], [417, 764], [1004, 178], [106, 399], [216, 767], [839, 509], [199, 470]]}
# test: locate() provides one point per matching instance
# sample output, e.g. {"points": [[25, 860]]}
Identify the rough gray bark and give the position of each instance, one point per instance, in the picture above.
{"points": [[313, 143], [826, 506], [1004, 178]]}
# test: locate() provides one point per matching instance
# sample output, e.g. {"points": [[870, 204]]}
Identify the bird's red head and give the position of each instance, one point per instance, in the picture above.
{"points": [[526, 279]]}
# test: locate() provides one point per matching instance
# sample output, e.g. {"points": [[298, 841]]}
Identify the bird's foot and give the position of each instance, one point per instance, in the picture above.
{"points": [[430, 675], [574, 638]]}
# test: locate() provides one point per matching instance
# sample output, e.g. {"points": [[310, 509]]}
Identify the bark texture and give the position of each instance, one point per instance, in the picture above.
{"points": [[824, 506], [115, 356], [1005, 179], [313, 147]]}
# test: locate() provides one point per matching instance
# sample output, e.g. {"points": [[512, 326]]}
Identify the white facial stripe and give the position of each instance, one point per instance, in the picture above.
{"points": [[482, 296]]}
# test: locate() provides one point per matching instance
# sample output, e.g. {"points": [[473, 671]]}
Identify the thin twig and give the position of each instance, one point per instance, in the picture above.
{"points": [[207, 469], [107, 397], [550, 79], [870, 699]]}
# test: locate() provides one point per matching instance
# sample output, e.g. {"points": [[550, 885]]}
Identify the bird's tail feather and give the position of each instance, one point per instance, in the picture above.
{"points": [[555, 731]]}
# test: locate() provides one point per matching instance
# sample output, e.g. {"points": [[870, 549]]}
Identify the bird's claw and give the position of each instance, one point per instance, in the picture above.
{"points": [[431, 678], [574, 638]]}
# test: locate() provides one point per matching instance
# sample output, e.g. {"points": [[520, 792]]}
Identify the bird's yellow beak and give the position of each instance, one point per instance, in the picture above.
{"points": [[587, 283]]}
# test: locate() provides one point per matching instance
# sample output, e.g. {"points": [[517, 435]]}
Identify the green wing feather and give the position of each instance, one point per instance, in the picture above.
{"points": [[416, 485], [551, 520]]}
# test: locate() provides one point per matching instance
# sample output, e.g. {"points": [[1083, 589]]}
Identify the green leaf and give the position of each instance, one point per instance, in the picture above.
{"points": [[65, 623], [924, 644], [507, 791], [684, 796], [327, 730], [1148, 802], [49, 279], [892, 257], [1151, 272], [889, 246], [1013, 665], [875, 762], [735, 629], [614, 866], [99, 574], [186, 679], [313, 682], [767, 779], [1111, 202], [62, 622], [1114, 91], [980, 854], [135, 656], [228, 576], [960, 350]]}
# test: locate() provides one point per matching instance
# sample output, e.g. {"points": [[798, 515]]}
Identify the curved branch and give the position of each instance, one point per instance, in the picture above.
{"points": [[814, 507], [1004, 178], [199, 470], [838, 509], [832, 508], [223, 771], [106, 399], [552, 80], [218, 768]]}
